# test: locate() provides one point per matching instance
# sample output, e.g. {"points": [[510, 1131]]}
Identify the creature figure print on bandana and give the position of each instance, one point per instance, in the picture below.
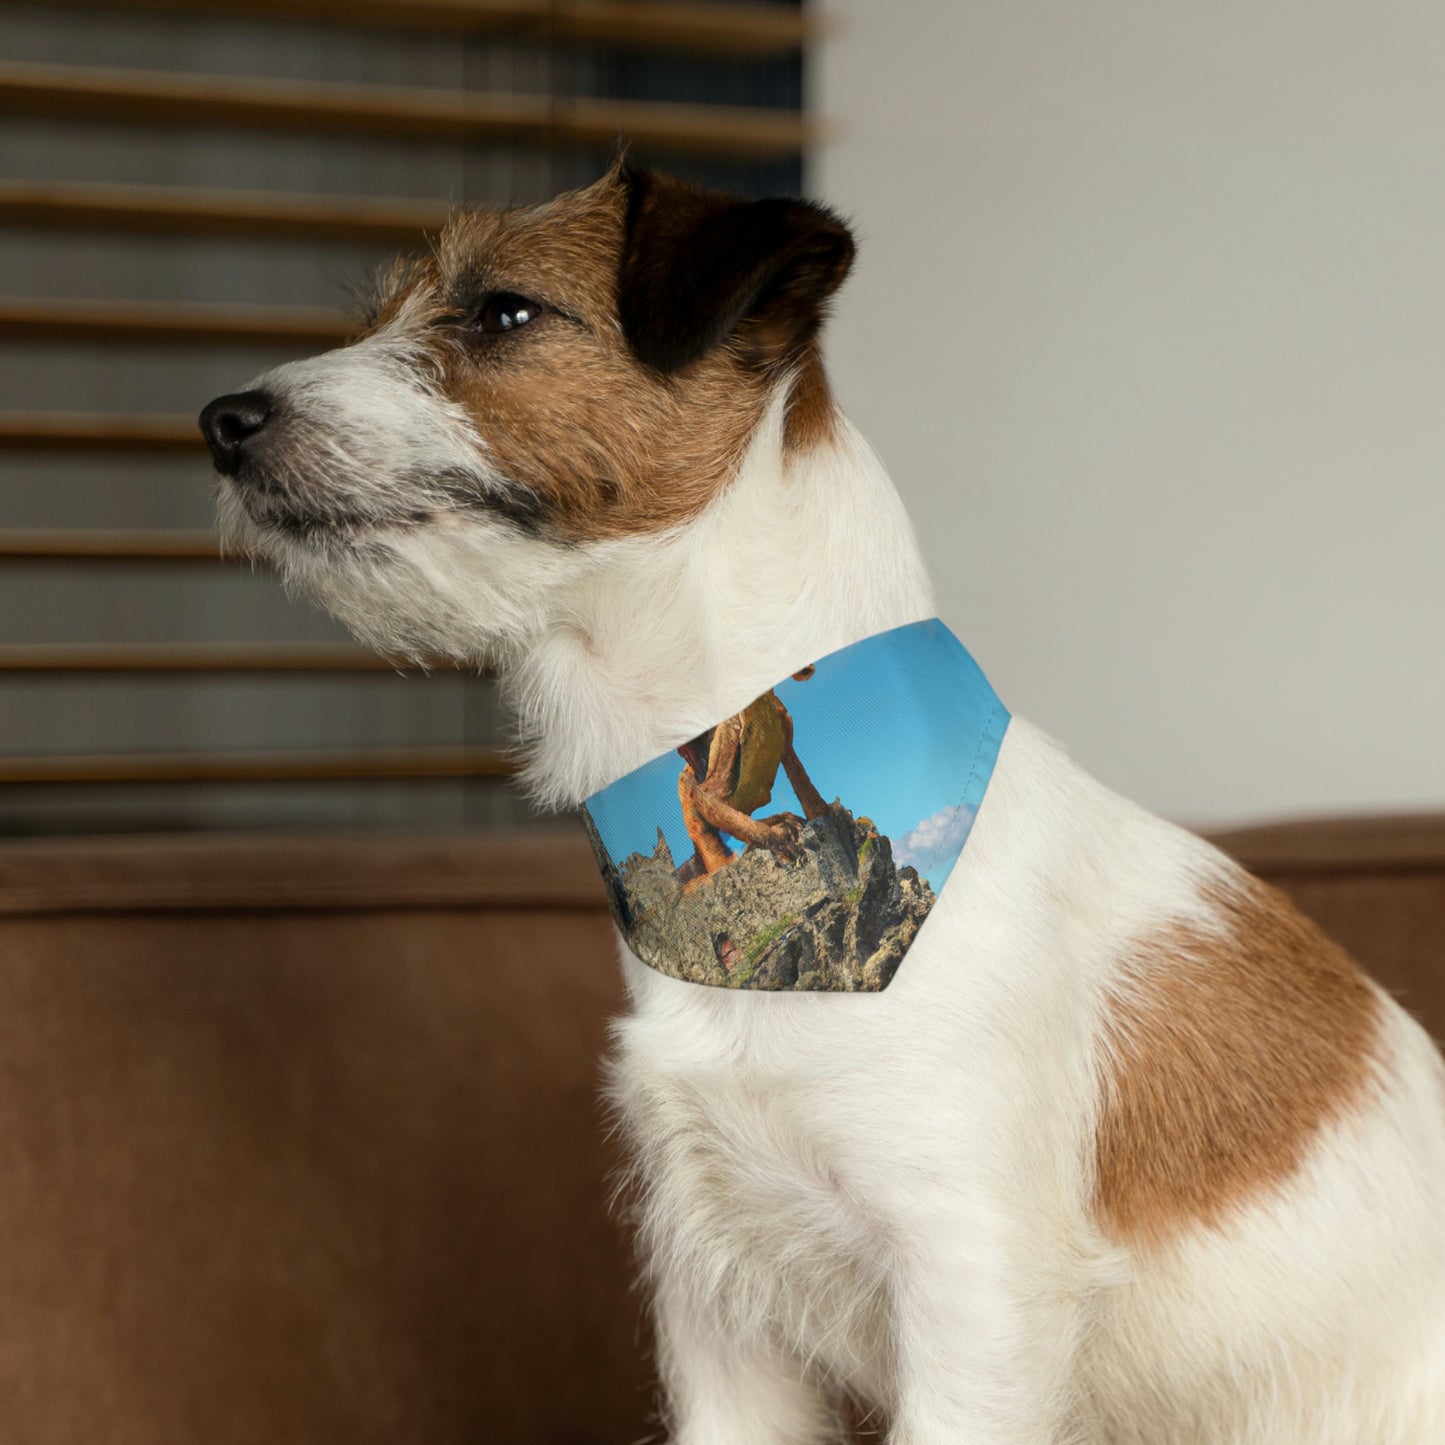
{"points": [[900, 730]]}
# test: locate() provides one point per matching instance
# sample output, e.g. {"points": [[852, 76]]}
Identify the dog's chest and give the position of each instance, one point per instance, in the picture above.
{"points": [[749, 1184]]}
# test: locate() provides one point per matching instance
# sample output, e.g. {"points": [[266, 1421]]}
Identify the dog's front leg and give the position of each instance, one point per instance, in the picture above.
{"points": [[984, 1357], [723, 1388]]}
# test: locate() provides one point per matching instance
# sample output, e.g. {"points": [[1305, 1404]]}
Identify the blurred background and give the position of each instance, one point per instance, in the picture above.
{"points": [[190, 194], [301, 1007], [1147, 323]]}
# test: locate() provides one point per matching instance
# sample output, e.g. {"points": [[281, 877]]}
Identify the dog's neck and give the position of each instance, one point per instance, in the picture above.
{"points": [[662, 637]]}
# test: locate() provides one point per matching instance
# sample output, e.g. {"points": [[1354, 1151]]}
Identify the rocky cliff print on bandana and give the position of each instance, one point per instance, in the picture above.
{"points": [[800, 844]]}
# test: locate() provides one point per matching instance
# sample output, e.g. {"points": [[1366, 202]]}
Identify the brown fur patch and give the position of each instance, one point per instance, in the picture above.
{"points": [[594, 441], [700, 266], [1228, 1052], [812, 413], [601, 444]]}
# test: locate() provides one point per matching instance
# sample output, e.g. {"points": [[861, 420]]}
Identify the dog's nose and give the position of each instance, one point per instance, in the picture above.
{"points": [[229, 422]]}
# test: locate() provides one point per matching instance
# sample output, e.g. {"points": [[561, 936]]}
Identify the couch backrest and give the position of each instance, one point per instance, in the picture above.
{"points": [[300, 1137], [300, 1142]]}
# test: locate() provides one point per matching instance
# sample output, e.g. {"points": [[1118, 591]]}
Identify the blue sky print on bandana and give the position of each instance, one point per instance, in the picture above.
{"points": [[801, 843]]}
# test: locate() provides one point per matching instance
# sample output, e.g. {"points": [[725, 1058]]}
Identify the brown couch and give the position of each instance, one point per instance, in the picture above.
{"points": [[299, 1139]]}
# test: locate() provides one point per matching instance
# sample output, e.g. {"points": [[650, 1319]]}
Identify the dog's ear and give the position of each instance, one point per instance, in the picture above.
{"points": [[699, 267]]}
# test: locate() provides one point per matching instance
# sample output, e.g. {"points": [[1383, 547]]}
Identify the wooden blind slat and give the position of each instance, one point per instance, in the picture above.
{"points": [[176, 211], [160, 98], [109, 546], [95, 431], [705, 29], [168, 323], [359, 764]]}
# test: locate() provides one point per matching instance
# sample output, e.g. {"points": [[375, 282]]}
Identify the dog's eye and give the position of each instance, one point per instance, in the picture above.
{"points": [[505, 311]]}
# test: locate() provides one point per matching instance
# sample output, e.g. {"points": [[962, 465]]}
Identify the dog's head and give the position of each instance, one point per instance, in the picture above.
{"points": [[545, 382]]}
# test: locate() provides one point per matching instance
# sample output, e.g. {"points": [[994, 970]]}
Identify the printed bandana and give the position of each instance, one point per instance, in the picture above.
{"points": [[725, 864]]}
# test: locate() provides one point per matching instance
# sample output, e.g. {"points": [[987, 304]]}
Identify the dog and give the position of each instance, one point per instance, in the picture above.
{"points": [[1128, 1153]]}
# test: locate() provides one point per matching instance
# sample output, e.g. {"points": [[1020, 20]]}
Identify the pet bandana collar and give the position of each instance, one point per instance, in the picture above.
{"points": [[726, 864]]}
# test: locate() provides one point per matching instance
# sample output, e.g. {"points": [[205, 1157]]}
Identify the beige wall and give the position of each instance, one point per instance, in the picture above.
{"points": [[1149, 324]]}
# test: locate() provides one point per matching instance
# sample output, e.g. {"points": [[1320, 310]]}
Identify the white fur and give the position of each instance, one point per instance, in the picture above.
{"points": [[889, 1195]]}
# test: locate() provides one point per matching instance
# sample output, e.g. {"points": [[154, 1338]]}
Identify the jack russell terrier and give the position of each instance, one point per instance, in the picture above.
{"points": [[958, 1087]]}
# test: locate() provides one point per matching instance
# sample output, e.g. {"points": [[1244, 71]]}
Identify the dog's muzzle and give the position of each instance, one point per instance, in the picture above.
{"points": [[231, 424]]}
